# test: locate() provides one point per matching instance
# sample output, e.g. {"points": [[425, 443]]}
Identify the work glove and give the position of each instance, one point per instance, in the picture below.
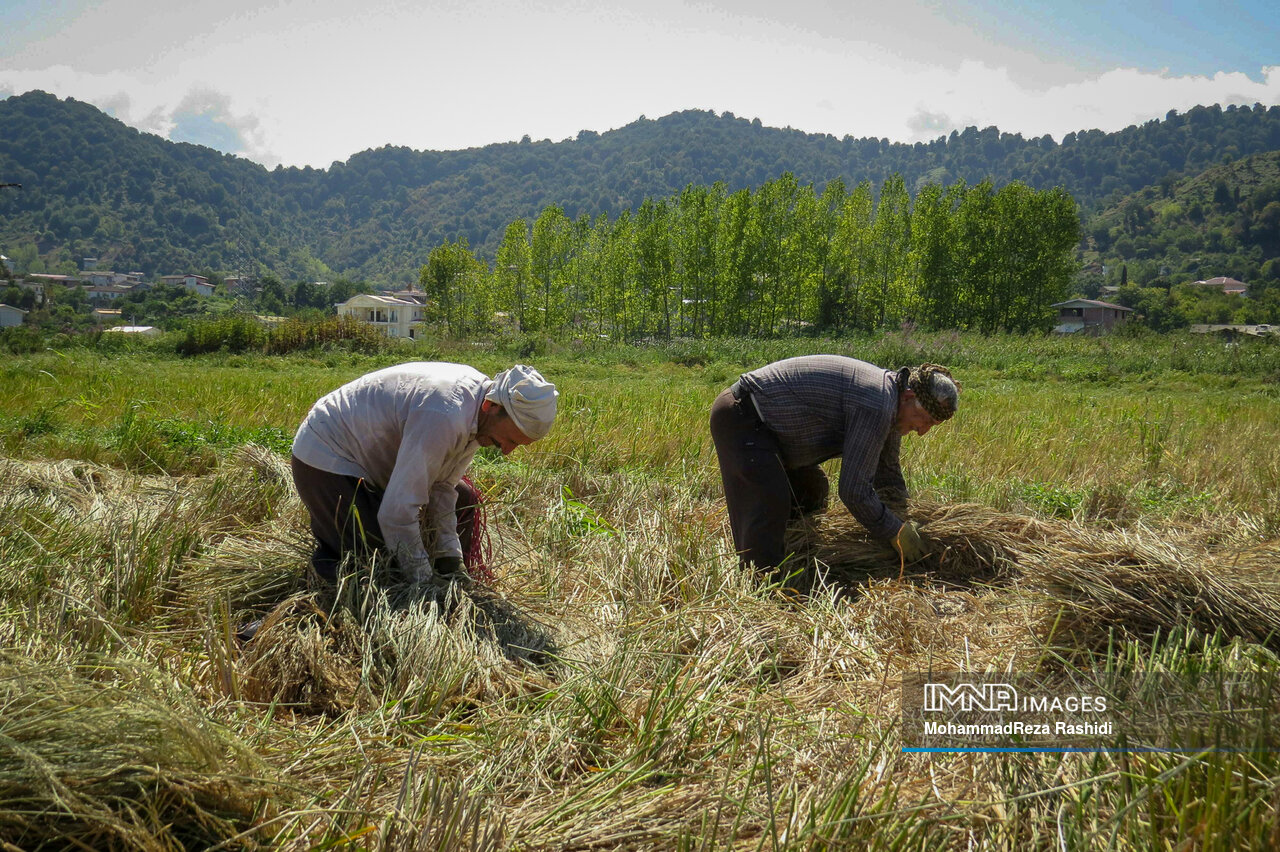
{"points": [[448, 566], [909, 544], [417, 570]]}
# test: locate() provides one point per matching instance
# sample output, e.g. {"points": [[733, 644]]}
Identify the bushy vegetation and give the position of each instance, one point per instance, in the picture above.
{"points": [[622, 684]]}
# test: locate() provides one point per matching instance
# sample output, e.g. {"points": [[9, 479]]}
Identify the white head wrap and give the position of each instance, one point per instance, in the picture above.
{"points": [[529, 399]]}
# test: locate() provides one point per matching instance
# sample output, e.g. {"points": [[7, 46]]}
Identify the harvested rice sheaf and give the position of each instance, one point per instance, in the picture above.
{"points": [[1093, 581], [968, 542], [1139, 585], [86, 764], [307, 659]]}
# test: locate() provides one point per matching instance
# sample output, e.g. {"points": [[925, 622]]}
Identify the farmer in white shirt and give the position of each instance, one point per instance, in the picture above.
{"points": [[372, 453]]}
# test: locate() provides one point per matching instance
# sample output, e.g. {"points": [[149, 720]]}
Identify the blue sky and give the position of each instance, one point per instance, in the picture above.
{"points": [[308, 82]]}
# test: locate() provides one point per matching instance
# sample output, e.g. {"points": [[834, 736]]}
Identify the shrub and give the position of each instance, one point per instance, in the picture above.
{"points": [[231, 333], [330, 333]]}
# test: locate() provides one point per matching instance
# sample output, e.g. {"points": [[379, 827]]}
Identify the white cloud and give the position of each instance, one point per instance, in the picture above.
{"points": [[310, 83]]}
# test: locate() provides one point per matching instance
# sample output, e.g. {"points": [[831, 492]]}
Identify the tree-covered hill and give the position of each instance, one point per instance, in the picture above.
{"points": [[1222, 221], [95, 187]]}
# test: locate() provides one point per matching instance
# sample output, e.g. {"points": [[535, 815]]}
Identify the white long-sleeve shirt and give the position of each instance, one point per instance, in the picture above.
{"points": [[411, 431]]}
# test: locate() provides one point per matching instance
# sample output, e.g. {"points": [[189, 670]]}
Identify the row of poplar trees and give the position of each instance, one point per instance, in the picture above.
{"points": [[783, 259]]}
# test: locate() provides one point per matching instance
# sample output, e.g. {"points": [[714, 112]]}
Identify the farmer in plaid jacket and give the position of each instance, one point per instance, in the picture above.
{"points": [[775, 425]]}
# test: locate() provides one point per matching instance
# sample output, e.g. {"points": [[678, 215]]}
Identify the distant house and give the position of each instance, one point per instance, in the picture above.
{"points": [[196, 283], [1230, 286], [1228, 330], [106, 292], [11, 316], [394, 317], [68, 280], [8, 264], [144, 330], [1089, 315], [107, 314], [103, 277], [410, 295], [36, 287]]}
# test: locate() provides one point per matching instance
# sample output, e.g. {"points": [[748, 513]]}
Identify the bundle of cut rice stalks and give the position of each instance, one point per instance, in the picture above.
{"points": [[969, 542], [1138, 584], [308, 659], [1092, 582]]}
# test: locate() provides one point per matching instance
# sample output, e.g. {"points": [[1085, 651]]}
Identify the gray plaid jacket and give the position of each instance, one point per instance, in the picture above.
{"points": [[822, 406]]}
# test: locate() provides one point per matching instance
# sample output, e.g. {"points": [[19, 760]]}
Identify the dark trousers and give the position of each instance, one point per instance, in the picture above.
{"points": [[760, 492], [344, 515]]}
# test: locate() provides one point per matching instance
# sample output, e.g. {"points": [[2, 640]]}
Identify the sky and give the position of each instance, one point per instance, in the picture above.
{"points": [[311, 82]]}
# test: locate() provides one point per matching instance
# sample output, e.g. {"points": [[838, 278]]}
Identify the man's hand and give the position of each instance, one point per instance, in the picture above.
{"points": [[909, 544]]}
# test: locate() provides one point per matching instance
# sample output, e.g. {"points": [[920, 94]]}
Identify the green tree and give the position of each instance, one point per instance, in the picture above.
{"points": [[449, 278], [549, 261]]}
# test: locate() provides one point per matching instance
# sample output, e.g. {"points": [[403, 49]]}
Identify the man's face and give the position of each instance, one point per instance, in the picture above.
{"points": [[497, 429], [912, 417]]}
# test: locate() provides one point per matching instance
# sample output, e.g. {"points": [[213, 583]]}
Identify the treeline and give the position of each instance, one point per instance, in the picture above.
{"points": [[783, 259]]}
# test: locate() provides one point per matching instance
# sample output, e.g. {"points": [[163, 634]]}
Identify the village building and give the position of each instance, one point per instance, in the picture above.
{"points": [[106, 292], [196, 283], [67, 280], [11, 316], [398, 318], [410, 295], [102, 278], [1230, 286], [1089, 315]]}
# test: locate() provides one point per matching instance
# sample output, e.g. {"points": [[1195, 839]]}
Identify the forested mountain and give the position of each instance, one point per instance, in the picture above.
{"points": [[1222, 221], [95, 187]]}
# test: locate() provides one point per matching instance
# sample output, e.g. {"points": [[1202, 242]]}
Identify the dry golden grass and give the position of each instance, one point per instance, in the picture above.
{"points": [[621, 684]]}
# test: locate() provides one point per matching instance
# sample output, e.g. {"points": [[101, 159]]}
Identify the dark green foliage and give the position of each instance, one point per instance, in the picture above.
{"points": [[22, 339], [1224, 221], [93, 186]]}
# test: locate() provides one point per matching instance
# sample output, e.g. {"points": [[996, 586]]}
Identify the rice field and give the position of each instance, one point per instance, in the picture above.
{"points": [[1098, 505]]}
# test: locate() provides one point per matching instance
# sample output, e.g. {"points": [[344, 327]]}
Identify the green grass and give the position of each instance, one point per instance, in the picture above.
{"points": [[623, 685]]}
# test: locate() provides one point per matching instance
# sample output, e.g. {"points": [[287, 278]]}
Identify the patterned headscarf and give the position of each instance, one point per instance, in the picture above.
{"points": [[937, 391]]}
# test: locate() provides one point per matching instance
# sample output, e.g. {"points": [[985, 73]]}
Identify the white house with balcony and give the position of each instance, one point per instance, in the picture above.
{"points": [[399, 318]]}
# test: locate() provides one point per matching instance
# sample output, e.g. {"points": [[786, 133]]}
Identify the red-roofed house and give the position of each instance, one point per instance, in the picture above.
{"points": [[1230, 286]]}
